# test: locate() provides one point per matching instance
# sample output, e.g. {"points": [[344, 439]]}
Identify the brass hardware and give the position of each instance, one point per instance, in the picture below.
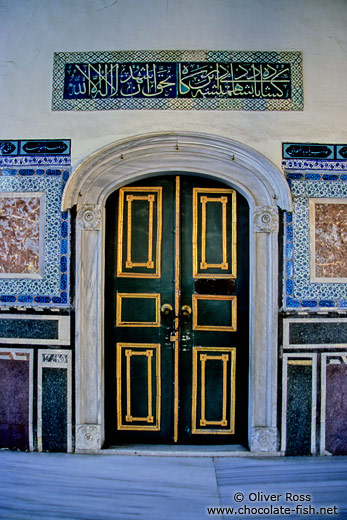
{"points": [[166, 309], [186, 311]]}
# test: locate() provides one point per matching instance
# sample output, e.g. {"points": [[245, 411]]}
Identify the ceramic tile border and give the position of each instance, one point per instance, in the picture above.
{"points": [[298, 357], [54, 359], [298, 289], [286, 333], [324, 359], [23, 354], [43, 152], [171, 57], [63, 330], [53, 289]]}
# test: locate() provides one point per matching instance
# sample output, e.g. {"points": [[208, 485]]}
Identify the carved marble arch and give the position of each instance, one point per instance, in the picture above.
{"points": [[233, 163]]}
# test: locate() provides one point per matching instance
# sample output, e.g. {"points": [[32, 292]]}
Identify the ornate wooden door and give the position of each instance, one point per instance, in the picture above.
{"points": [[176, 306]]}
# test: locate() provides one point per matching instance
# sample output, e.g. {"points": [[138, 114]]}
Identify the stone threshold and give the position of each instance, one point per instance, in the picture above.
{"points": [[162, 450]]}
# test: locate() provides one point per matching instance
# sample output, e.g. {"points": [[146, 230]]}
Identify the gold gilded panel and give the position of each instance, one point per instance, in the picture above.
{"points": [[201, 356], [201, 267], [233, 317], [150, 351], [152, 261], [145, 296]]}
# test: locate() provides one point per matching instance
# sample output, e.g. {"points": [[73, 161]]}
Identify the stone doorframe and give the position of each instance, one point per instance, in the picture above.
{"points": [[123, 162]]}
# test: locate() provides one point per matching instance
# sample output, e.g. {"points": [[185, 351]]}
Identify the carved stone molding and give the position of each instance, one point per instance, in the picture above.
{"points": [[265, 219], [88, 437], [264, 439], [89, 217]]}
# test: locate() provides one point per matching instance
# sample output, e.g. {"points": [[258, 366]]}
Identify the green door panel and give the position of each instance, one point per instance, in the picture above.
{"points": [[211, 364]]}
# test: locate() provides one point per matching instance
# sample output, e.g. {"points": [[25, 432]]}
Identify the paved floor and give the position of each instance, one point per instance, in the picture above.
{"points": [[53, 486]]}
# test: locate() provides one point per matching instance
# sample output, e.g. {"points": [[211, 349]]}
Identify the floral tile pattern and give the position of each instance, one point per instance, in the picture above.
{"points": [[301, 290], [34, 271]]}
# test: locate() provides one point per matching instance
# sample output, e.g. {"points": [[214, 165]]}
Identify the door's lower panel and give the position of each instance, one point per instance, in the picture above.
{"points": [[213, 395], [138, 386]]}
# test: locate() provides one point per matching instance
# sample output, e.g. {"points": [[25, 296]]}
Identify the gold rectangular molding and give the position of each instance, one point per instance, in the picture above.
{"points": [[145, 296], [233, 318], [139, 349], [227, 355], [201, 267], [177, 303], [298, 362], [127, 196]]}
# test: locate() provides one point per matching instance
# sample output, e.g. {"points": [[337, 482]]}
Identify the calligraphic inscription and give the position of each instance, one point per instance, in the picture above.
{"points": [[177, 80], [31, 147], [314, 151]]}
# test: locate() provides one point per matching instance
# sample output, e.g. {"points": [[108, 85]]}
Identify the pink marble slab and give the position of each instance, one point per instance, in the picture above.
{"points": [[330, 240], [19, 234]]}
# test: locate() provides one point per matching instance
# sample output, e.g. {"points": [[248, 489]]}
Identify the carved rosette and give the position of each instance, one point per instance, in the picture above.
{"points": [[88, 437], [89, 217], [265, 219], [264, 439]]}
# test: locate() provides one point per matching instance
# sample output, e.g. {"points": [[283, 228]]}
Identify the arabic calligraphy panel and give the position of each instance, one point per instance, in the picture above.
{"points": [[178, 80]]}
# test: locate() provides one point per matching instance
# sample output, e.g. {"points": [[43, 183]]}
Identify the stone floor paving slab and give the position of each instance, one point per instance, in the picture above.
{"points": [[51, 486], [316, 481]]}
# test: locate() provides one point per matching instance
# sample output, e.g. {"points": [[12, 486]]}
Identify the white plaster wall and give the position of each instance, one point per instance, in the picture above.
{"points": [[31, 30]]}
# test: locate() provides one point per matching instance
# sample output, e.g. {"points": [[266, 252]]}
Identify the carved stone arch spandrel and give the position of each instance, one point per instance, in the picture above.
{"points": [[228, 161]]}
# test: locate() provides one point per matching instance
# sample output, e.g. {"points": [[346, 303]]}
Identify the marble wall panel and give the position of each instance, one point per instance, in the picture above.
{"points": [[16, 399], [328, 226], [35, 329], [20, 234], [317, 333], [334, 404], [299, 404], [54, 429]]}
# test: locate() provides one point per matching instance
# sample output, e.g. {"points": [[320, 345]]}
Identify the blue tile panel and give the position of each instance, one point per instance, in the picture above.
{"points": [[53, 288], [178, 80], [299, 292]]}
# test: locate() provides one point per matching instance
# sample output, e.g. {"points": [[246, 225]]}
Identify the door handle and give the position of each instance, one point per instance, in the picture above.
{"points": [[166, 309], [185, 312]]}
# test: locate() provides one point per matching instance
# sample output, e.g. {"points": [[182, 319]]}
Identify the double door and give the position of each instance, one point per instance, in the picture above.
{"points": [[176, 305]]}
